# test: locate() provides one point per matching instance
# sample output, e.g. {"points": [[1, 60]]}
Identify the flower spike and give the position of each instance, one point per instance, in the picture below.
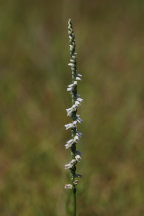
{"points": [[72, 112]]}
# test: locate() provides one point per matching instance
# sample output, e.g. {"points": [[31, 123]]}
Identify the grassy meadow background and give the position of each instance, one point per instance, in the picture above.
{"points": [[34, 75]]}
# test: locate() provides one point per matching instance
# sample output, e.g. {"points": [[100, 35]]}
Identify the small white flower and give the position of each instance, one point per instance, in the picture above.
{"points": [[69, 143], [77, 103], [71, 64], [78, 157], [79, 99], [73, 57], [70, 37], [69, 89], [71, 125], [67, 126], [72, 60], [68, 186], [70, 85], [75, 83], [79, 119], [78, 78], [74, 123], [70, 164], [71, 47], [69, 111], [72, 141], [69, 32], [76, 138], [78, 133], [79, 75], [76, 181]]}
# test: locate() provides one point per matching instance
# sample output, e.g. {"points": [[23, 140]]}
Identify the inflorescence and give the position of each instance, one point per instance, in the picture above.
{"points": [[72, 112]]}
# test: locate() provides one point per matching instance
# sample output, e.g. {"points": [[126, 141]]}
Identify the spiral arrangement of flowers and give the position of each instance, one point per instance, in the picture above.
{"points": [[72, 112]]}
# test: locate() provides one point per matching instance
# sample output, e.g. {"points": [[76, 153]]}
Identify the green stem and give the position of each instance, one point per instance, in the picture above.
{"points": [[74, 196]]}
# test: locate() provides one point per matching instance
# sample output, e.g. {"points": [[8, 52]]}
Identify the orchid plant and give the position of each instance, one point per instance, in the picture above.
{"points": [[72, 112]]}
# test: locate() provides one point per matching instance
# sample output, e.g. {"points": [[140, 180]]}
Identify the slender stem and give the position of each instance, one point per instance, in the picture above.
{"points": [[74, 196]]}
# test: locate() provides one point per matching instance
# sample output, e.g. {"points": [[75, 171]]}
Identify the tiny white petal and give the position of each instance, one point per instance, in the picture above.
{"points": [[79, 133], [77, 103], [69, 143], [77, 157], [70, 37], [76, 138], [75, 83], [71, 85], [71, 125], [71, 46], [73, 56], [79, 119], [77, 78], [70, 164], [68, 186], [71, 64], [69, 89], [79, 99], [76, 181], [72, 60], [67, 126], [79, 75]]}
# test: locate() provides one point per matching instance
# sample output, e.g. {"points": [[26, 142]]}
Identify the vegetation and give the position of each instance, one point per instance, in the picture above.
{"points": [[33, 79]]}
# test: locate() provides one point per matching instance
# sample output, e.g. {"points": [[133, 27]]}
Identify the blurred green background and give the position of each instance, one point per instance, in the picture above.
{"points": [[34, 75]]}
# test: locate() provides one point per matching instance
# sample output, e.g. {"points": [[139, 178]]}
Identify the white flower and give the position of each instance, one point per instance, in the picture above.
{"points": [[70, 110], [77, 103], [75, 83], [71, 47], [76, 138], [79, 99], [78, 78], [72, 60], [69, 89], [70, 164], [70, 37], [71, 125], [69, 143], [67, 126], [79, 119], [68, 186], [73, 57], [76, 181], [71, 64], [79, 75], [69, 31], [74, 107], [72, 141], [71, 86], [78, 133], [78, 157]]}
